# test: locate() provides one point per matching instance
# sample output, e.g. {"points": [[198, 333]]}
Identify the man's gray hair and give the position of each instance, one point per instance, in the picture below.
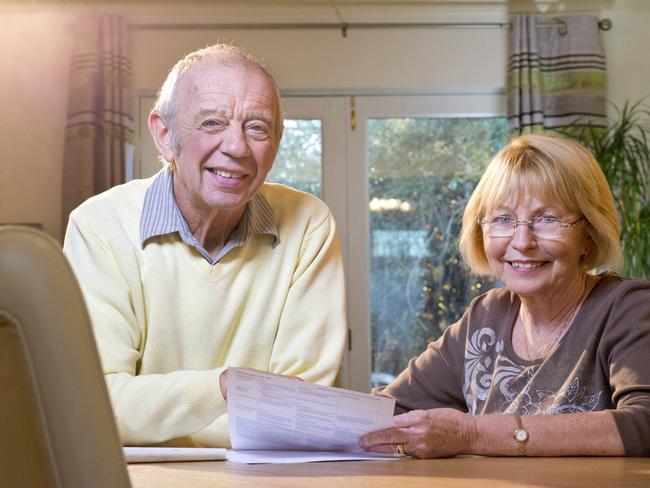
{"points": [[228, 54]]}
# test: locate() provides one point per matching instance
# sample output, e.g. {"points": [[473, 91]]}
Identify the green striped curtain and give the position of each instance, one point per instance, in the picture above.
{"points": [[556, 76], [99, 127]]}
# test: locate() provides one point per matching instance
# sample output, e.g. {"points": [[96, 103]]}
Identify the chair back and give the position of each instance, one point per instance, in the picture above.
{"points": [[56, 423]]}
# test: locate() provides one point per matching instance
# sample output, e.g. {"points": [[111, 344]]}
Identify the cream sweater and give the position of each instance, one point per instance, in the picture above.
{"points": [[167, 323]]}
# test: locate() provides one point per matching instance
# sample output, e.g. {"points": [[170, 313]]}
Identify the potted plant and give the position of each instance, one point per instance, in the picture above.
{"points": [[623, 152]]}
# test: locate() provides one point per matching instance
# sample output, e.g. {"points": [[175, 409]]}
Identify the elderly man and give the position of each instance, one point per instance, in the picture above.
{"points": [[204, 265]]}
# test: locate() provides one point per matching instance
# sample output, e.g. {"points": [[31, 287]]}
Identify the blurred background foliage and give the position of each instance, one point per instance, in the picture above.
{"points": [[421, 174], [623, 152], [299, 159]]}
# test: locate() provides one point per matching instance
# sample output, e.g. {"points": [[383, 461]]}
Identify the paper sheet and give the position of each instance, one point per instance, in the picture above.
{"points": [[287, 457], [277, 413], [168, 454]]}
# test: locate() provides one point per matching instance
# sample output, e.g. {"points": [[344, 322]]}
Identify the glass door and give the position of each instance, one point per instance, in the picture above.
{"points": [[421, 158], [421, 173]]}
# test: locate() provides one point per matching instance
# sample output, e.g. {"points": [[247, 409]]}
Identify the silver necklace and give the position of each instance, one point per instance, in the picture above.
{"points": [[555, 338], [559, 331]]}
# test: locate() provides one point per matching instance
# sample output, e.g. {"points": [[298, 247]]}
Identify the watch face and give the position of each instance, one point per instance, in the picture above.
{"points": [[521, 435]]}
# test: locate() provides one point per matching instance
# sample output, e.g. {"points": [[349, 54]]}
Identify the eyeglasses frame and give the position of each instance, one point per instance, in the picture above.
{"points": [[531, 226]]}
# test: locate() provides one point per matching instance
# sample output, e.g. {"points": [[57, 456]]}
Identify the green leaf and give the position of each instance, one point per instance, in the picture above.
{"points": [[624, 155]]}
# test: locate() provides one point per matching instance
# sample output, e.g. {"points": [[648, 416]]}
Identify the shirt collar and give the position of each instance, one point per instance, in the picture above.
{"points": [[161, 215]]}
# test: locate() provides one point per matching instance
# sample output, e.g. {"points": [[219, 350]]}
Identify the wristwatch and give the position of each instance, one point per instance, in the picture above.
{"points": [[521, 435]]}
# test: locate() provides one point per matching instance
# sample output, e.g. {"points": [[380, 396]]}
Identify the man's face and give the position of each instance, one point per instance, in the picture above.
{"points": [[226, 127]]}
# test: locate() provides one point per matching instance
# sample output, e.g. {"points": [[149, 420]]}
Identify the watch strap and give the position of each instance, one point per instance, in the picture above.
{"points": [[520, 435]]}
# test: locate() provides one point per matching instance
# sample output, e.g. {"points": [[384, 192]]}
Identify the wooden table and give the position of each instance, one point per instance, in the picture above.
{"points": [[406, 473]]}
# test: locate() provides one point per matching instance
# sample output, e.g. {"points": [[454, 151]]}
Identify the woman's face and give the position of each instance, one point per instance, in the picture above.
{"points": [[532, 267]]}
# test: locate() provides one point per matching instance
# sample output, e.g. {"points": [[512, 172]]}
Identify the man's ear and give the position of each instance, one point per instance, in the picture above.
{"points": [[160, 134]]}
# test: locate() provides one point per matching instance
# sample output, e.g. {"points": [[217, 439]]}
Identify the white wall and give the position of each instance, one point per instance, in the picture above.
{"points": [[37, 47], [33, 101], [322, 61], [627, 48]]}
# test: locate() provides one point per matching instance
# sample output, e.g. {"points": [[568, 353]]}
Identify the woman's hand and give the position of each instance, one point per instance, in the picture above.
{"points": [[440, 432]]}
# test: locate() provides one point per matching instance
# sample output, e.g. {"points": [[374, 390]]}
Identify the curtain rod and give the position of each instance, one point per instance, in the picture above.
{"points": [[604, 24]]}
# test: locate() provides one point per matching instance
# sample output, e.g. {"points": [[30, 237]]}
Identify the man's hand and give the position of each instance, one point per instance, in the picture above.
{"points": [[440, 432], [223, 383]]}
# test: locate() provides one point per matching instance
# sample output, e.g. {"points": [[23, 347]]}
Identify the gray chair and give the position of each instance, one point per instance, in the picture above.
{"points": [[56, 423]]}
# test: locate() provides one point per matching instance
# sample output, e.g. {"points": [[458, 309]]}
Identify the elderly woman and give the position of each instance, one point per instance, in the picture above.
{"points": [[557, 363]]}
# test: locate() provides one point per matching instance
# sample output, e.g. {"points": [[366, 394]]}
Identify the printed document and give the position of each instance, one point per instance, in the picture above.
{"points": [[269, 412]]}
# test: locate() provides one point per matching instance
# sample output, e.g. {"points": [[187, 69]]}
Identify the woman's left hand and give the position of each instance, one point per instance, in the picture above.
{"points": [[440, 432]]}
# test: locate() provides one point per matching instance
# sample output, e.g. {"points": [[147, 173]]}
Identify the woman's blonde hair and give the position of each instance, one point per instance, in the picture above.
{"points": [[557, 171]]}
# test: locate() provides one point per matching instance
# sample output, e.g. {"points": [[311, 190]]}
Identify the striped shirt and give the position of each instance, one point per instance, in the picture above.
{"points": [[161, 215]]}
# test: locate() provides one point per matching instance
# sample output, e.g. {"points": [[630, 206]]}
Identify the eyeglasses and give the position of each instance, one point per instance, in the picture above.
{"points": [[543, 227]]}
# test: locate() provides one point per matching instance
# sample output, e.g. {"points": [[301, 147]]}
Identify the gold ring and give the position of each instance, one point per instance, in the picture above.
{"points": [[399, 449]]}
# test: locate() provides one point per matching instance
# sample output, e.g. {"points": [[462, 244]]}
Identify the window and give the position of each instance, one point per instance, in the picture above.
{"points": [[411, 162], [421, 172], [299, 160]]}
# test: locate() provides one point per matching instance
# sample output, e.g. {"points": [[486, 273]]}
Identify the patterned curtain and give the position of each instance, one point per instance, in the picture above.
{"points": [[99, 129], [556, 76]]}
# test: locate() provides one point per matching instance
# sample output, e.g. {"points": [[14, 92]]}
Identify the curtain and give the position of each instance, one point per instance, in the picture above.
{"points": [[99, 128], [556, 76]]}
